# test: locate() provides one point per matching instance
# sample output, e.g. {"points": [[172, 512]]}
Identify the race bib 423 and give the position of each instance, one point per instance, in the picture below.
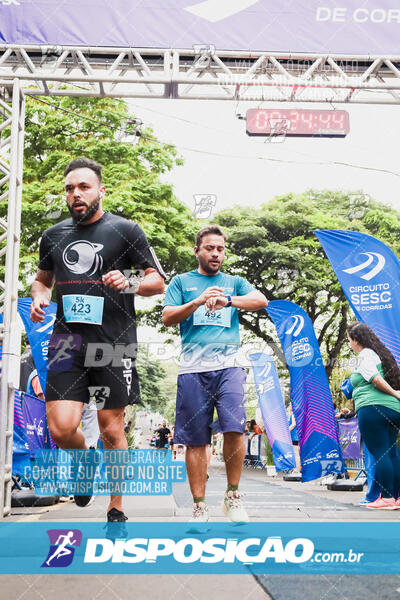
{"points": [[83, 309]]}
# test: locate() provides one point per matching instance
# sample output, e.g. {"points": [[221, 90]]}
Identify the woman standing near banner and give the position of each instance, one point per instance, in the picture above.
{"points": [[376, 383], [294, 437]]}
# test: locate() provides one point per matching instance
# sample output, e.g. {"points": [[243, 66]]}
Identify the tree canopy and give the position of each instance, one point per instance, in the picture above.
{"points": [[275, 249], [61, 129]]}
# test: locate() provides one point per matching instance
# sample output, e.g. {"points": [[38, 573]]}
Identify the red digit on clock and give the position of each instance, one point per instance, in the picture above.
{"points": [[338, 118], [307, 118], [293, 117], [261, 121]]}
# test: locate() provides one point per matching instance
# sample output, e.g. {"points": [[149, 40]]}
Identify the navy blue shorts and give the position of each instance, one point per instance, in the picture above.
{"points": [[197, 396]]}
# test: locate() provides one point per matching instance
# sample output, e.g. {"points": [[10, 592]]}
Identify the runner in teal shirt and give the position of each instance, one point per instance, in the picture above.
{"points": [[210, 340], [205, 303]]}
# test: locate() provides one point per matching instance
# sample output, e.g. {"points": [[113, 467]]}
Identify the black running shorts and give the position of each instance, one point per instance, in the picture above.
{"points": [[112, 385]]}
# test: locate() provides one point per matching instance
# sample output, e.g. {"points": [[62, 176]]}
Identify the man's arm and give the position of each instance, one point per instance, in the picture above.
{"points": [[254, 300], [151, 284], [172, 315], [41, 294]]}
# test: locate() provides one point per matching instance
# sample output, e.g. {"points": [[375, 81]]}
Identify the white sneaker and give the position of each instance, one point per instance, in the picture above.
{"points": [[233, 507], [200, 517], [200, 513]]}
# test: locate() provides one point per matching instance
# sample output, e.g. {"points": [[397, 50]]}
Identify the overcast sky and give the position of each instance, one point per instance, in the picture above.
{"points": [[221, 159]]}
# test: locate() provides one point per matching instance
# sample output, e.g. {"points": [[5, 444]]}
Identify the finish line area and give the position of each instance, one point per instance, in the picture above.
{"points": [[287, 150]]}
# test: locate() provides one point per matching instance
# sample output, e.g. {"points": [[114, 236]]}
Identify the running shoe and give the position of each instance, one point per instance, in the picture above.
{"points": [[200, 513], [233, 507], [82, 501], [384, 504], [116, 516], [200, 517], [364, 502], [115, 526]]}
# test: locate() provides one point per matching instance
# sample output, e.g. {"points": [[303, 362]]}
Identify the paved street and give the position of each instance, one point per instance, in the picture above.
{"points": [[267, 499]]}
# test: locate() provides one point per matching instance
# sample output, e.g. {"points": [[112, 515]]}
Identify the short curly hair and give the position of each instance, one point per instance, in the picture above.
{"points": [[209, 230], [84, 163]]}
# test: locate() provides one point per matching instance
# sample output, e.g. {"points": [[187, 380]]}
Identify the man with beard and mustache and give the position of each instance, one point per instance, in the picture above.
{"points": [[205, 303], [89, 258]]}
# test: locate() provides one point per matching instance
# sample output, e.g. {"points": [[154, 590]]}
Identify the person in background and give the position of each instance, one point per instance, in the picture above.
{"points": [[127, 427], [33, 387], [376, 394], [162, 434], [172, 446], [295, 437], [26, 367], [254, 428]]}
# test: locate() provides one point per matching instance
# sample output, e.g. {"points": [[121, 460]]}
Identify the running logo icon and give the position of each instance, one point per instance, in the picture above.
{"points": [[372, 257], [63, 543], [82, 256], [297, 325], [265, 372]]}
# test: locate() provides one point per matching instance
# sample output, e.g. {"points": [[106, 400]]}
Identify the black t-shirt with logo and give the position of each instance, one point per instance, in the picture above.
{"points": [[79, 255]]}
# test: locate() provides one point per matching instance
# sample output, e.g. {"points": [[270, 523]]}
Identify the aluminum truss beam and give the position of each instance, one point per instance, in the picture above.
{"points": [[11, 158], [202, 73]]}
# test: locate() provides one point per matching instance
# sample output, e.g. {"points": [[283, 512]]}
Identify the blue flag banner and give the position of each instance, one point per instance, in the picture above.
{"points": [[34, 411], [273, 411], [310, 394], [38, 335], [21, 455], [369, 273]]}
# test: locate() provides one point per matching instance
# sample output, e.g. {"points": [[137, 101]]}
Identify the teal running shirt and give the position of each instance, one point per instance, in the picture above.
{"points": [[209, 340]]}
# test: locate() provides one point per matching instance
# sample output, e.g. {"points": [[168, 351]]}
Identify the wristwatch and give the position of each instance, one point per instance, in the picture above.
{"points": [[134, 284], [229, 298]]}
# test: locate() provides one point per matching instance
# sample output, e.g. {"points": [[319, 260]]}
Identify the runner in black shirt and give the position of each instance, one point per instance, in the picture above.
{"points": [[93, 346], [163, 433]]}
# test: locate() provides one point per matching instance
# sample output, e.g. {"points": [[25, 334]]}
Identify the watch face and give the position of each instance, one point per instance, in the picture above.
{"points": [[134, 284]]}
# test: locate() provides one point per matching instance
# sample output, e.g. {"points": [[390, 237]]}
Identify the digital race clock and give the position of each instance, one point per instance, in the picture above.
{"points": [[297, 123]]}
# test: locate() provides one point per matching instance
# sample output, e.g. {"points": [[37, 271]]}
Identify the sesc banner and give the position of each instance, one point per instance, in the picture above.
{"points": [[369, 273], [310, 394], [273, 410], [21, 453], [362, 27]]}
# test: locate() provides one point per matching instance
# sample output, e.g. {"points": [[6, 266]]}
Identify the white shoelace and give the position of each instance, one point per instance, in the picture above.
{"points": [[234, 499], [198, 510]]}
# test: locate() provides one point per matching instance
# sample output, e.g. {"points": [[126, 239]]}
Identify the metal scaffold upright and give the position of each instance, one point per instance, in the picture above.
{"points": [[12, 111]]}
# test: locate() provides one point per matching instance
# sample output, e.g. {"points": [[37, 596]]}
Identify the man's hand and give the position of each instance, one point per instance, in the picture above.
{"points": [[115, 280], [216, 303], [211, 292], [37, 314], [172, 315]]}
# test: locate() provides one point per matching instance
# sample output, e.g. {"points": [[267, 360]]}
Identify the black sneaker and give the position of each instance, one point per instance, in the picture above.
{"points": [[83, 500], [116, 516]]}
